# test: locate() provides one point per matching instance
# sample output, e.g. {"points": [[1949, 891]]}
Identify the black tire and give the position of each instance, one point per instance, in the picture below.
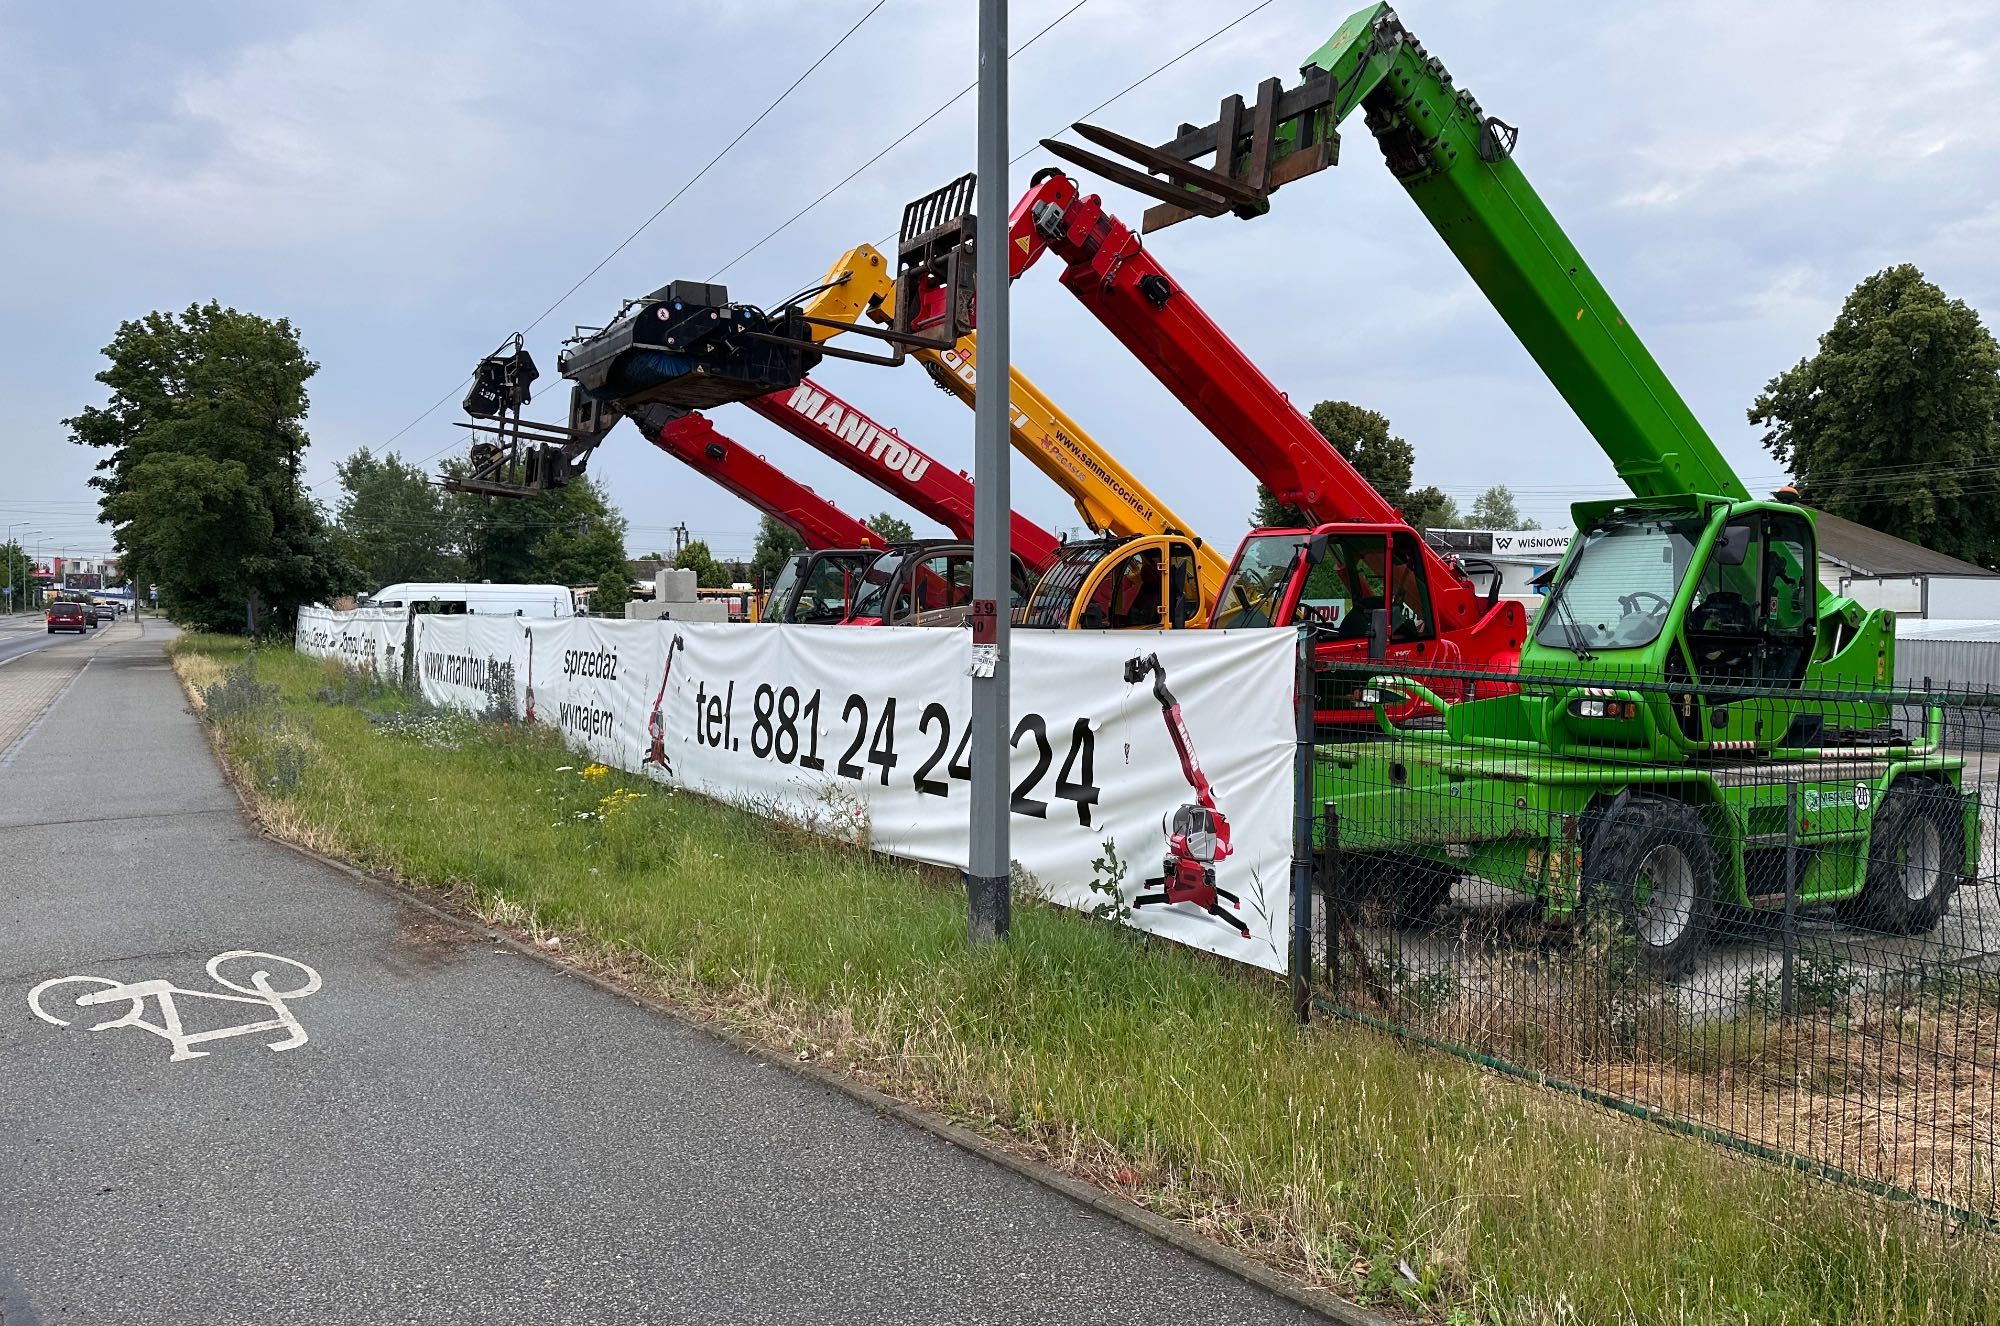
{"points": [[1421, 888], [1916, 849], [1411, 889], [1651, 865]]}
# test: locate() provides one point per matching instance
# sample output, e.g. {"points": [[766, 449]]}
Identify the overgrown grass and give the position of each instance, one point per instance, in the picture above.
{"points": [[1397, 1176]]}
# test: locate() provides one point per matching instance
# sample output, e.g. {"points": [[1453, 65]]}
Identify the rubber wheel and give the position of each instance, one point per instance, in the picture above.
{"points": [[1418, 888], [1651, 865], [1916, 849]]}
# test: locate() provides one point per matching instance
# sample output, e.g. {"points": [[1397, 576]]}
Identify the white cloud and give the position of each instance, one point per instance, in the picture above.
{"points": [[410, 182]]}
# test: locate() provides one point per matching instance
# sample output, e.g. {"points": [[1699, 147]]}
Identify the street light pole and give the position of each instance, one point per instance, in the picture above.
{"points": [[986, 877]]}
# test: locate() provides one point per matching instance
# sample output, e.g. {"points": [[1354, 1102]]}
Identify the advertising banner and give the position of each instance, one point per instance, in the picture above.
{"points": [[1164, 756], [466, 662], [363, 638]]}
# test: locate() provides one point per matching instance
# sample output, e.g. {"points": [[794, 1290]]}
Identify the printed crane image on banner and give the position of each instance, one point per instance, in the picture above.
{"points": [[1151, 772]]}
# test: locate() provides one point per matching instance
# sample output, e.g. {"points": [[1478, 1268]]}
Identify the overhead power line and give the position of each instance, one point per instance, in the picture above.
{"points": [[897, 142], [641, 229]]}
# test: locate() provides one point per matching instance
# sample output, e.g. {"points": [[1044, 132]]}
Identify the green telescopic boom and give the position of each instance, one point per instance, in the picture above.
{"points": [[1457, 163]]}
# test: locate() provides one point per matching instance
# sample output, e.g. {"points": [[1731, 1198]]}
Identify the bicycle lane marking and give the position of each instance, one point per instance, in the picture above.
{"points": [[260, 990]]}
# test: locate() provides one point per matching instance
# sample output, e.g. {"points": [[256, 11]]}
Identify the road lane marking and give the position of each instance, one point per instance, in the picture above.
{"points": [[259, 990]]}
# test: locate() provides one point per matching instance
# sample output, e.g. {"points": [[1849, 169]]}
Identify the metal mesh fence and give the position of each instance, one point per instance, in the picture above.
{"points": [[1763, 914]]}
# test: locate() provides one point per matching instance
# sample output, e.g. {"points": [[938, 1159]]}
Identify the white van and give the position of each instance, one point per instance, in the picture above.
{"points": [[482, 599]]}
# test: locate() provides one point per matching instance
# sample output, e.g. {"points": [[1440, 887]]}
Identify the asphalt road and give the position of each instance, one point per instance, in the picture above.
{"points": [[26, 632], [453, 1133]]}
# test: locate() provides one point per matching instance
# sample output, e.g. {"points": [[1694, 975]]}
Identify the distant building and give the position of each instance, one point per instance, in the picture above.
{"points": [[1879, 570], [1874, 569], [1516, 556]]}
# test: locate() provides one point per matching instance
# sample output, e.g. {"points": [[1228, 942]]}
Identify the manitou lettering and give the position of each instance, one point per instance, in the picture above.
{"points": [[584, 720], [458, 669], [843, 421], [591, 663], [804, 400]]}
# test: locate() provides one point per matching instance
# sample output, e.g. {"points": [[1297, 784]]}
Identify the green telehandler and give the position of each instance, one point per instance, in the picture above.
{"points": [[1687, 678]]}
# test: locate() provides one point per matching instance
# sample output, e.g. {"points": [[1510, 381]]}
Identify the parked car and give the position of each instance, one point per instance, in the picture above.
{"points": [[63, 615]]}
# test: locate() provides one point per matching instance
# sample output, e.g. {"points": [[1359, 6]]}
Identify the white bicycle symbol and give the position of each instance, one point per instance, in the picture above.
{"points": [[258, 990]]}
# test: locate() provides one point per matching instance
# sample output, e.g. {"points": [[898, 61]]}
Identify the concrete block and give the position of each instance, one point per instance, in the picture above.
{"points": [[673, 585]]}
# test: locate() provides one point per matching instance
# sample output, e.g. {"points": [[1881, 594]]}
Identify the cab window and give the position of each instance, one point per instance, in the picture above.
{"points": [[1021, 585], [1753, 614], [823, 598], [1183, 586], [1130, 592], [1410, 597]]}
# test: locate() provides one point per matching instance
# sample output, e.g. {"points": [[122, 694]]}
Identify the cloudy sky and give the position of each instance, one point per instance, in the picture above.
{"points": [[411, 181]]}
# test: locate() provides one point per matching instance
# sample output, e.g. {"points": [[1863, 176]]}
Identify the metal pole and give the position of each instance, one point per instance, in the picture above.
{"points": [[986, 883], [1302, 831], [1787, 994]]}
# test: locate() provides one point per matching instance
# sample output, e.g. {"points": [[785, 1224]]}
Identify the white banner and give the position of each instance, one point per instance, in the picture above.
{"points": [[1175, 748], [463, 661], [363, 637]]}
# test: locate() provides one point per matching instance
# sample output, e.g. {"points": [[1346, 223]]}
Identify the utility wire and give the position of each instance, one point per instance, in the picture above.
{"points": [[642, 227], [900, 139]]}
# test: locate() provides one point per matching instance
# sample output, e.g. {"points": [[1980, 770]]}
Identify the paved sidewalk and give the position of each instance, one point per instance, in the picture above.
{"points": [[29, 681], [462, 1134]]}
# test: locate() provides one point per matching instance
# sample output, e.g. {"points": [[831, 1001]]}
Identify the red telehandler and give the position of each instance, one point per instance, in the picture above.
{"points": [[817, 586], [825, 422], [1392, 595]]}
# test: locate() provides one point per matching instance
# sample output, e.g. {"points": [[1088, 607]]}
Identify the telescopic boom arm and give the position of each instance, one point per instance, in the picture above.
{"points": [[825, 422], [1108, 496], [1457, 163], [1110, 271], [1113, 275], [696, 441]]}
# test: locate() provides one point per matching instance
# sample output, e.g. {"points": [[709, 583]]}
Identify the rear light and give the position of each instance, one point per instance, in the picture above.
{"points": [[1605, 708]]}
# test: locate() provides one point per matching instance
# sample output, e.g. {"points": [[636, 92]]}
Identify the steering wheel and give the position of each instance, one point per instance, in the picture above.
{"points": [[1630, 602]]}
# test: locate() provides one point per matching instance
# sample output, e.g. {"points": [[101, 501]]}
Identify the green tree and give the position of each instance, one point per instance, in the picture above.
{"points": [[394, 523], [1431, 507], [16, 571], [203, 437], [614, 591], [1895, 421], [708, 573], [1386, 461], [1495, 509], [892, 529], [1363, 437], [776, 545], [570, 535]]}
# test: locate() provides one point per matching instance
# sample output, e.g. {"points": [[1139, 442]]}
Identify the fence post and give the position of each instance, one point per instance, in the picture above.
{"points": [[1787, 999], [1329, 887], [1302, 827]]}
